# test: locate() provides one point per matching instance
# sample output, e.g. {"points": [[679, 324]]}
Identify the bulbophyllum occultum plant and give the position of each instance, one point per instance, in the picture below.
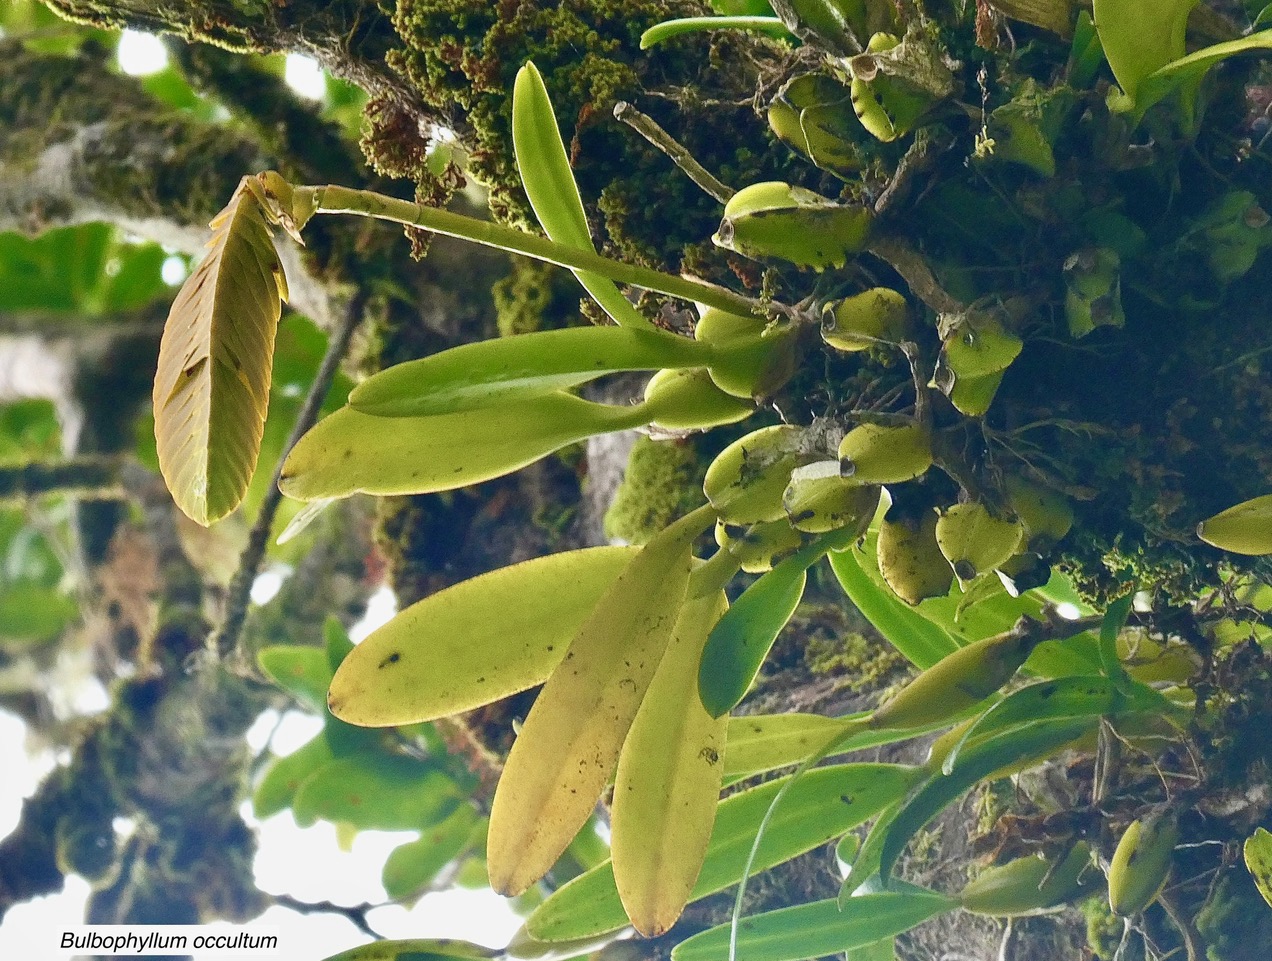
{"points": [[938, 513]]}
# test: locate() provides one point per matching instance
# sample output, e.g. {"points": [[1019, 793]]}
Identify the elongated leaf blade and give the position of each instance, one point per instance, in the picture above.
{"points": [[476, 642], [350, 452], [765, 742], [740, 642], [822, 805], [211, 389], [921, 641], [570, 742], [978, 760], [1140, 36], [1191, 68], [668, 782], [554, 195], [511, 368], [1245, 528], [818, 929]]}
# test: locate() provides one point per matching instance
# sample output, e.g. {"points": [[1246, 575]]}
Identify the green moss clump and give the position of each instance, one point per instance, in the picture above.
{"points": [[533, 296], [663, 482], [1104, 928], [1236, 923], [864, 664]]}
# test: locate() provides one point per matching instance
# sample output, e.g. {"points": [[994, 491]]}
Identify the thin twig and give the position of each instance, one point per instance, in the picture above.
{"points": [[356, 913], [648, 128], [226, 638], [915, 272]]}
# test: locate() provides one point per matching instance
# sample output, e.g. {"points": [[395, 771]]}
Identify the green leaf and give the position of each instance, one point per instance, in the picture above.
{"points": [[740, 642], [554, 195], [1186, 72], [302, 672], [824, 804], [417, 949], [817, 929], [411, 867], [1258, 859], [32, 612], [770, 26], [211, 388], [916, 637], [1112, 624], [376, 791], [1243, 529], [763, 742], [980, 759], [668, 781], [284, 777], [350, 452], [570, 741], [336, 641], [508, 369], [1140, 36], [475, 642]]}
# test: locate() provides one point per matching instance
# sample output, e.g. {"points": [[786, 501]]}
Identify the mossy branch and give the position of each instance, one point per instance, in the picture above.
{"points": [[334, 199], [90, 478]]}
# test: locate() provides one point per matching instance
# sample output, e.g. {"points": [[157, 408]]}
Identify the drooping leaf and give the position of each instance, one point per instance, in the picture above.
{"points": [[824, 804], [1243, 529], [1258, 859], [740, 642], [668, 781], [411, 867], [659, 32], [571, 739], [818, 929], [554, 195], [350, 452], [507, 369], [475, 642], [211, 388], [377, 791]]}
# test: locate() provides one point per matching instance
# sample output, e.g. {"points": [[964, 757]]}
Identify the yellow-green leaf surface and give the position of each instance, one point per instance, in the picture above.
{"points": [[668, 783], [1140, 36], [766, 741], [1189, 70], [822, 805], [571, 739], [303, 672], [1243, 529], [818, 929], [475, 642], [554, 195], [350, 452], [211, 388], [1258, 859]]}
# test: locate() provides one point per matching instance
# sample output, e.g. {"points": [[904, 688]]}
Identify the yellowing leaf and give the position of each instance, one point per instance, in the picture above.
{"points": [[668, 782], [1243, 529], [211, 388], [473, 643], [570, 742]]}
